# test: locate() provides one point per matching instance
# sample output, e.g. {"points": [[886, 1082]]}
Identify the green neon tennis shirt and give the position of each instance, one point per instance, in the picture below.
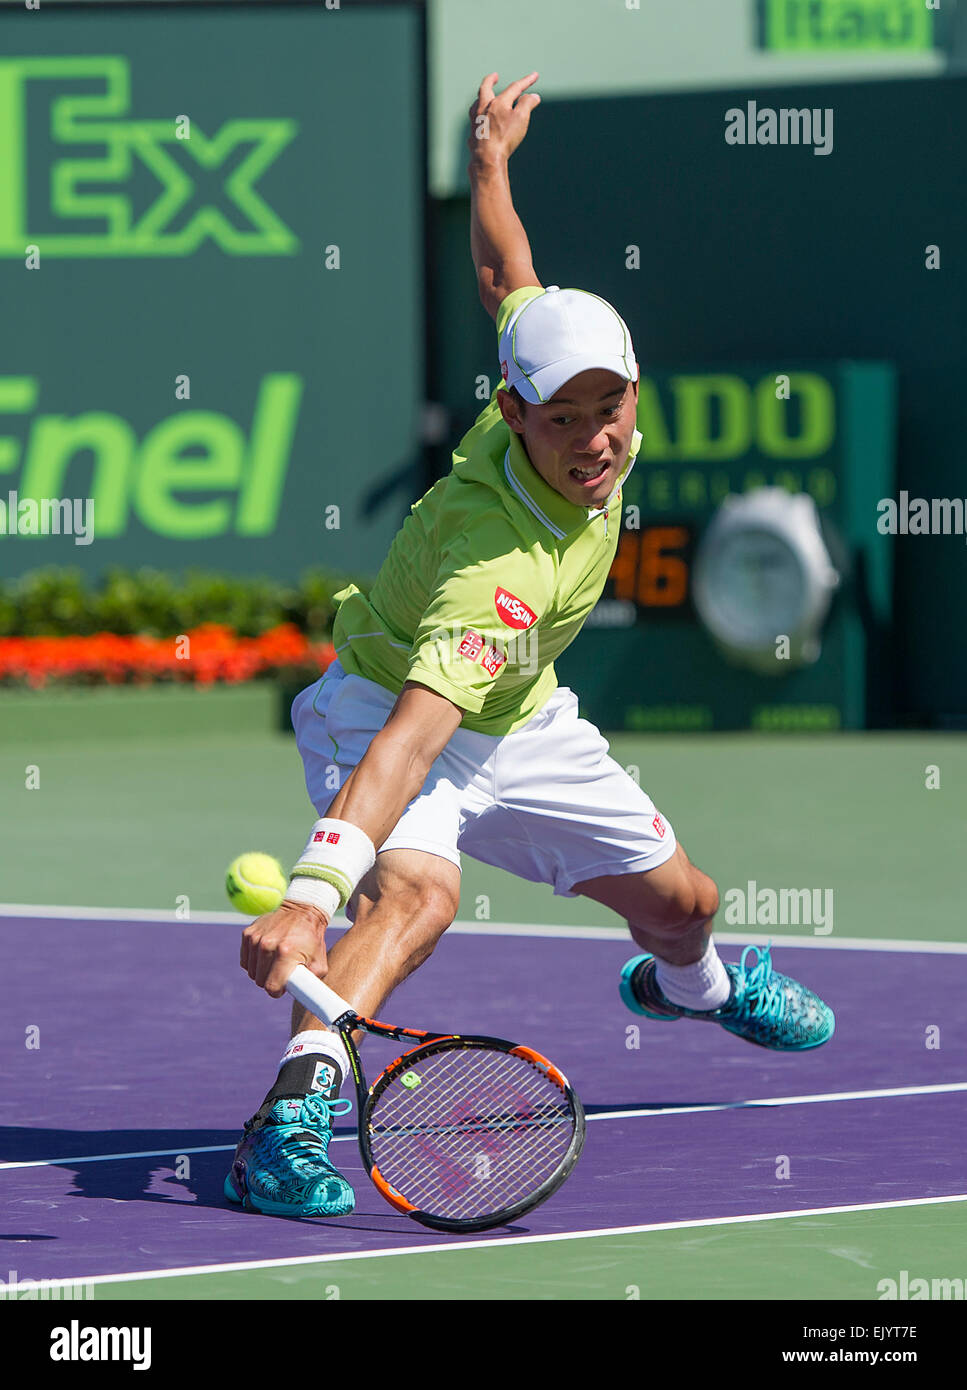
{"points": [[488, 580]]}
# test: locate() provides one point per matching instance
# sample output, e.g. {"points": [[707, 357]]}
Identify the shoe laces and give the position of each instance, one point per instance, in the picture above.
{"points": [[761, 986], [316, 1110]]}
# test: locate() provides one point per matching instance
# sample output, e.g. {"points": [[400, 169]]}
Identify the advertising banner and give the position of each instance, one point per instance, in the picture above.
{"points": [[211, 277]]}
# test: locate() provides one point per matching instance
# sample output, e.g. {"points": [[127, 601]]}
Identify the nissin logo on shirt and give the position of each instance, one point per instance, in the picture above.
{"points": [[513, 610]]}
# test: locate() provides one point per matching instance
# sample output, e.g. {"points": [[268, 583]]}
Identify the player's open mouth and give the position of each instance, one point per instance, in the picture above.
{"points": [[587, 477]]}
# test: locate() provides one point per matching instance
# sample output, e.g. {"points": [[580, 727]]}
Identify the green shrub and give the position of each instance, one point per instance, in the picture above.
{"points": [[58, 602]]}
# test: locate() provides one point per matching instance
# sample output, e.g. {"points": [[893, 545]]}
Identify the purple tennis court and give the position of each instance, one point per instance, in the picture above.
{"points": [[135, 1050]]}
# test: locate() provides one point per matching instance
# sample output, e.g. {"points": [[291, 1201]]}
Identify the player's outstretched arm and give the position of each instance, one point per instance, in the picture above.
{"points": [[498, 243], [373, 798], [397, 761]]}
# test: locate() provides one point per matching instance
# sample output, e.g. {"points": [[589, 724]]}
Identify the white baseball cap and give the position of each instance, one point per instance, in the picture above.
{"points": [[555, 335]]}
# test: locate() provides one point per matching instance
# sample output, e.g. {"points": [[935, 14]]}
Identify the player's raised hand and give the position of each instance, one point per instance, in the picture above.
{"points": [[498, 123], [294, 934]]}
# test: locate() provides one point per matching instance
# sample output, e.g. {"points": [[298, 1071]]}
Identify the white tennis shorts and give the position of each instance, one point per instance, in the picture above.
{"points": [[546, 803]]}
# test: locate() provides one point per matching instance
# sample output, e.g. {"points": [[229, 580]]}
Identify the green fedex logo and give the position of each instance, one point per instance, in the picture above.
{"points": [[193, 451], [173, 157]]}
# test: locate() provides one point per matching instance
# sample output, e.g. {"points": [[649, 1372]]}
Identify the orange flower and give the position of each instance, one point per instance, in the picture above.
{"points": [[215, 653]]}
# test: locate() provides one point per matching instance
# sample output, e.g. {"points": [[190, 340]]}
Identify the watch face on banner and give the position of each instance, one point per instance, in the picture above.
{"points": [[757, 587], [764, 579]]}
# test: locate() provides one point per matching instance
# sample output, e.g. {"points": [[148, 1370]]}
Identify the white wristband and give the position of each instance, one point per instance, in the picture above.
{"points": [[337, 853], [316, 892]]}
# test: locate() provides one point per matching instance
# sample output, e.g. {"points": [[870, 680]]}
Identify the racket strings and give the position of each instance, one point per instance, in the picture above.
{"points": [[470, 1131]]}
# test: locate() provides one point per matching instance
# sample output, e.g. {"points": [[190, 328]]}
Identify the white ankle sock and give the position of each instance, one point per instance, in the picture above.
{"points": [[703, 985], [320, 1041]]}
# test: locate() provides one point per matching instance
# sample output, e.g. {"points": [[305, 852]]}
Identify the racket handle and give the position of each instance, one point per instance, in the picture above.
{"points": [[310, 991]]}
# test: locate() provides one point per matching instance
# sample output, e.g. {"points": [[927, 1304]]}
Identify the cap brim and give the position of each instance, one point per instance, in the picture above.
{"points": [[544, 384]]}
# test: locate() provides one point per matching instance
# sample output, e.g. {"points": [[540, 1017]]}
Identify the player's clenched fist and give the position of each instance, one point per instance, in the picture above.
{"points": [[499, 123], [294, 934]]}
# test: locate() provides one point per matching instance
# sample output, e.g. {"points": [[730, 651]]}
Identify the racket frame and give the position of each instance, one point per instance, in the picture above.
{"points": [[345, 1020], [434, 1043]]}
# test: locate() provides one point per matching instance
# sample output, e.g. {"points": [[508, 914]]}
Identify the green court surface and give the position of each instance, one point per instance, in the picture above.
{"points": [[843, 1255], [150, 795]]}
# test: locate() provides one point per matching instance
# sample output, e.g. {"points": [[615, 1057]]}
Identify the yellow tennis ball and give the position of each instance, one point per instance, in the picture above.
{"points": [[255, 883]]}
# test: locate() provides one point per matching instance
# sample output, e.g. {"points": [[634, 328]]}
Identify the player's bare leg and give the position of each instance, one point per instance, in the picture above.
{"points": [[669, 912], [281, 1166], [402, 908]]}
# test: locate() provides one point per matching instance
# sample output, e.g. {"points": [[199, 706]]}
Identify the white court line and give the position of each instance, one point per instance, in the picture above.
{"points": [[242, 1265], [819, 1099], [134, 1153], [768, 1103], [559, 932], [135, 915]]}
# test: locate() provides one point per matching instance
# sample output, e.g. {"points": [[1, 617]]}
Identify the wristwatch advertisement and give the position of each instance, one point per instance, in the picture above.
{"points": [[763, 580]]}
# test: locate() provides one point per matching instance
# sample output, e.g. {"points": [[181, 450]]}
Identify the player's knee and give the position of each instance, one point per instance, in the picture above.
{"points": [[411, 911], [421, 897], [673, 915], [436, 908], [706, 897], [694, 900], [430, 909]]}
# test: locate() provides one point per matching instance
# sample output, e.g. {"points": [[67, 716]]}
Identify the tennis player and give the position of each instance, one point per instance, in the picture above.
{"points": [[441, 728]]}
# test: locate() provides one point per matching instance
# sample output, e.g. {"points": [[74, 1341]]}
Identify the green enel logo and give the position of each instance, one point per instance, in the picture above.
{"points": [[183, 163], [192, 451]]}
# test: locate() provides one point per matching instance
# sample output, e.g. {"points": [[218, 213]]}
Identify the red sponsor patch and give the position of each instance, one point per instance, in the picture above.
{"points": [[492, 660], [659, 825], [513, 610], [503, 370], [331, 839], [471, 646]]}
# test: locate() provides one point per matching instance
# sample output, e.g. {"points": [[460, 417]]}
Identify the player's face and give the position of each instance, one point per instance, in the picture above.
{"points": [[579, 440]]}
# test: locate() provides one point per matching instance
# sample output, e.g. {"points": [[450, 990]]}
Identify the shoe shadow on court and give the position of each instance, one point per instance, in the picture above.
{"points": [[158, 1165], [154, 1165]]}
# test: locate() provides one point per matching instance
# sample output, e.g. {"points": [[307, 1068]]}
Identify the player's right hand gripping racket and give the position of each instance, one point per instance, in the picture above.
{"points": [[461, 1133]]}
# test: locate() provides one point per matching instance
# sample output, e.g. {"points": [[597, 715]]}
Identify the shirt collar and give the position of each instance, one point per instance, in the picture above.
{"points": [[549, 506]]}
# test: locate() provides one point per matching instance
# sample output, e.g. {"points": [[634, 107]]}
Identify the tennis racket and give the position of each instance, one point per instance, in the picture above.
{"points": [[460, 1133]]}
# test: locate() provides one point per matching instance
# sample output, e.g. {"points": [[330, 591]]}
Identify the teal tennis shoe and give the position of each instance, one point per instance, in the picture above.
{"points": [[281, 1166], [764, 1007]]}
